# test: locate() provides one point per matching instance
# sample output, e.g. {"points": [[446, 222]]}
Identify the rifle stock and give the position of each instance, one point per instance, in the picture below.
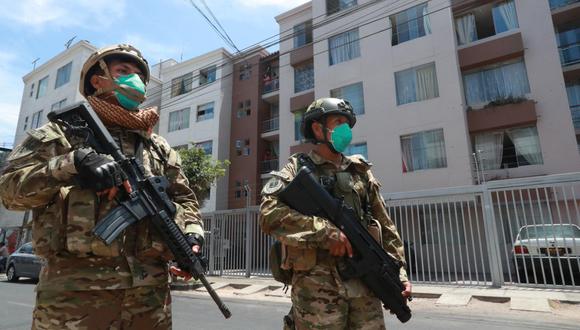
{"points": [[148, 199], [376, 268]]}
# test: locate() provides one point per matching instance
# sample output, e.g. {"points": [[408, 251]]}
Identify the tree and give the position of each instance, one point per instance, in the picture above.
{"points": [[201, 170]]}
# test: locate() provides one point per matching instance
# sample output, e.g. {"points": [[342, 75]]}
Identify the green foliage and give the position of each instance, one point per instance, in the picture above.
{"points": [[201, 170], [506, 100]]}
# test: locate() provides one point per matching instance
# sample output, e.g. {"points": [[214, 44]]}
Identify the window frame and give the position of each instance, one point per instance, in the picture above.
{"points": [[206, 73], [204, 116], [179, 85], [40, 92], [415, 69], [60, 81], [405, 167], [179, 112], [339, 92]]}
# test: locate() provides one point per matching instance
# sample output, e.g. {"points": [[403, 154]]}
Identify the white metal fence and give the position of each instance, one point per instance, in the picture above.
{"points": [[457, 236]]}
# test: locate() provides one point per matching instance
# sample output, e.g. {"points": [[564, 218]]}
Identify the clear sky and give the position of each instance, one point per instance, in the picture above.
{"points": [[161, 29]]}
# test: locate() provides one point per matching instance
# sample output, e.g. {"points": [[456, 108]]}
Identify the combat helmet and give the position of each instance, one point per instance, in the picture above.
{"points": [[120, 51], [321, 108]]}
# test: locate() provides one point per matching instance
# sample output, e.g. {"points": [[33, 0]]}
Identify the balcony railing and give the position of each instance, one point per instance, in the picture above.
{"points": [[576, 116], [555, 4], [270, 125], [570, 54], [269, 166], [271, 86]]}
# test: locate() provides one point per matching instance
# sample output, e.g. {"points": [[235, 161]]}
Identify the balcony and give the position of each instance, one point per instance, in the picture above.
{"points": [[556, 4], [491, 50], [570, 54], [271, 86], [575, 110], [268, 166], [502, 116], [271, 125]]}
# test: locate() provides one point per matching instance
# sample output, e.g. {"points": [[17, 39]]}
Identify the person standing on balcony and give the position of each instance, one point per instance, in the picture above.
{"points": [[313, 246]]}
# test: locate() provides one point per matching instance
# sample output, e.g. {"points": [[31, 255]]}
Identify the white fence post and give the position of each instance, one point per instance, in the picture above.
{"points": [[493, 241]]}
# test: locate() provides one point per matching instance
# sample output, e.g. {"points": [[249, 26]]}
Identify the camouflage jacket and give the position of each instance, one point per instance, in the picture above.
{"points": [[40, 175], [306, 237]]}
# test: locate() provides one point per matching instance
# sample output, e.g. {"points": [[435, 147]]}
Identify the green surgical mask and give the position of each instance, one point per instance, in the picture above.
{"points": [[134, 82], [341, 137]]}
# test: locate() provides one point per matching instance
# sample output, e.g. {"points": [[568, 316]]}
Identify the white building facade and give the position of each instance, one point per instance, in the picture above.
{"points": [[433, 83], [196, 109]]}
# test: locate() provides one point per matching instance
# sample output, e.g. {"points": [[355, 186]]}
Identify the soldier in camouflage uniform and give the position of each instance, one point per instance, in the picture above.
{"points": [[84, 283], [312, 246]]}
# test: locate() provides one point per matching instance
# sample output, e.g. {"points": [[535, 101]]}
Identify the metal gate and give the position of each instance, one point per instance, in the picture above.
{"points": [[517, 232]]}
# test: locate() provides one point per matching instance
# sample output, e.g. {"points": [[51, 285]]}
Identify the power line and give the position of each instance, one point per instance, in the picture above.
{"points": [[213, 26], [219, 24], [323, 38]]}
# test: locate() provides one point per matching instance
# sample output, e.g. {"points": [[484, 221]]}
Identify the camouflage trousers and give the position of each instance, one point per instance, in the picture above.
{"points": [[322, 300], [137, 308]]}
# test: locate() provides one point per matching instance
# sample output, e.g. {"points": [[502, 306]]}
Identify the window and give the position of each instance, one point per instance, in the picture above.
{"points": [[302, 34], [410, 24], [509, 148], [25, 123], [486, 21], [568, 39], [334, 6], [573, 91], [243, 147], [245, 71], [178, 120], [31, 90], [63, 75], [42, 85], [416, 84], [36, 119], [555, 4], [343, 47], [207, 147], [244, 109], [181, 85], [499, 82], [423, 150], [180, 147], [353, 94], [303, 77], [207, 75], [58, 105], [357, 149], [297, 124], [205, 111]]}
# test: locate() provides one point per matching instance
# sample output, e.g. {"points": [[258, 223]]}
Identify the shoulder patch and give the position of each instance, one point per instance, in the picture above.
{"points": [[273, 186]]}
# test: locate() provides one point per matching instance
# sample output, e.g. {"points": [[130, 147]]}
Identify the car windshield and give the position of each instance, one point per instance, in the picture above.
{"points": [[550, 232]]}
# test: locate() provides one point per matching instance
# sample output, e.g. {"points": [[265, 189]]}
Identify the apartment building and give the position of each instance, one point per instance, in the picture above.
{"points": [[447, 93], [195, 110], [565, 16]]}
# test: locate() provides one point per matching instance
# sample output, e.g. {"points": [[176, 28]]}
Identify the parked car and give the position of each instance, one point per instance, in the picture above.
{"points": [[538, 246], [23, 263]]}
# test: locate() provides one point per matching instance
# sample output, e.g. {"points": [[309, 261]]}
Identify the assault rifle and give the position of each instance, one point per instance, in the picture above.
{"points": [[148, 199], [377, 269]]}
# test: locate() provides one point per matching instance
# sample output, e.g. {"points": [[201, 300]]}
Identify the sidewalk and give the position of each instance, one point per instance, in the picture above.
{"points": [[520, 298]]}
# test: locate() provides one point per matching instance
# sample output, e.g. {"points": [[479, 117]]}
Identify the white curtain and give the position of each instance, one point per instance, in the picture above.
{"points": [[465, 27], [510, 80], [427, 83], [426, 20], [344, 47], [489, 147], [506, 13], [527, 144], [423, 151]]}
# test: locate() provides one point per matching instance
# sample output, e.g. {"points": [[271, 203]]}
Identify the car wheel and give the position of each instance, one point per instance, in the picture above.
{"points": [[11, 274]]}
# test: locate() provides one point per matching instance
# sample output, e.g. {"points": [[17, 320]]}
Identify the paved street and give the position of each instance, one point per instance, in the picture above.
{"points": [[197, 311]]}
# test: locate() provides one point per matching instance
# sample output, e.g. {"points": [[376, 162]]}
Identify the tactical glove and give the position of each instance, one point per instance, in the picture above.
{"points": [[97, 171], [195, 239]]}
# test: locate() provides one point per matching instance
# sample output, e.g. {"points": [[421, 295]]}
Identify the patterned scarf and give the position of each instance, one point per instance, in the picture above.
{"points": [[115, 115]]}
